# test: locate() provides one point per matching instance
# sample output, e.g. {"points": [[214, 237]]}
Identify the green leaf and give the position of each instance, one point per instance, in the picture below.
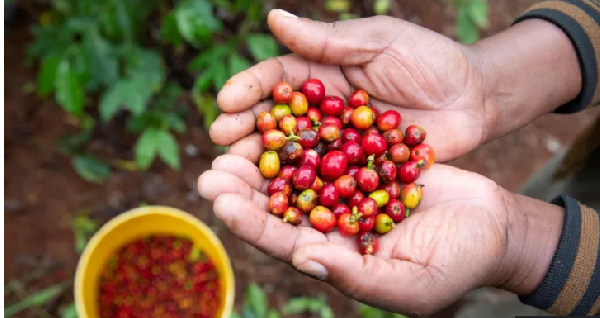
{"points": [[91, 169], [146, 148], [234, 314], [124, 92], [337, 5], [169, 32], [36, 300], [104, 64], [174, 122], [478, 12], [466, 30], [203, 81], [256, 300], [381, 6], [69, 91], [196, 21], [123, 19], [70, 144], [237, 64], [146, 68], [220, 74], [69, 311], [296, 306], [168, 149], [47, 75], [273, 314], [262, 46], [204, 59], [326, 312]]}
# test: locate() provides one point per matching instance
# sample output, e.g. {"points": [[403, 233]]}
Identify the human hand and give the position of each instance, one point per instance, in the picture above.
{"points": [[431, 80], [466, 233]]}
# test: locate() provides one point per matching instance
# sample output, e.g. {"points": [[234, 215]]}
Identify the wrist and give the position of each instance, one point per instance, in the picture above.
{"points": [[534, 229], [528, 70]]}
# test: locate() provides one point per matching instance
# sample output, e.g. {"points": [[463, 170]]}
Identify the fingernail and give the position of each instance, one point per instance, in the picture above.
{"points": [[286, 14], [314, 269]]}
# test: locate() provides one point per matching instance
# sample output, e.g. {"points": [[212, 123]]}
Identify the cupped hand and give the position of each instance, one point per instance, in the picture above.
{"points": [[455, 241], [431, 80]]}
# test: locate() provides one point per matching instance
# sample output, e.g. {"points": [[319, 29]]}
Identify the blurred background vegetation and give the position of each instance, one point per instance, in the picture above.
{"points": [[107, 106]]}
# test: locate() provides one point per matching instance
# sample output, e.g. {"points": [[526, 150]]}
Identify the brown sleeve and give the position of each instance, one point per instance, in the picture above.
{"points": [[580, 20], [572, 284]]}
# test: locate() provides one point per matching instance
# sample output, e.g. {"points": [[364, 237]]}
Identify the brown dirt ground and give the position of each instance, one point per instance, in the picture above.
{"points": [[42, 190]]}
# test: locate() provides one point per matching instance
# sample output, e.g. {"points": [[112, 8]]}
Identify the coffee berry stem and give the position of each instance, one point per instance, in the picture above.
{"points": [[370, 161]]}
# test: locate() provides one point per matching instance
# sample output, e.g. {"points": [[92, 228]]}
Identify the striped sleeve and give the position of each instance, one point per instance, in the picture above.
{"points": [[580, 20], [572, 285]]}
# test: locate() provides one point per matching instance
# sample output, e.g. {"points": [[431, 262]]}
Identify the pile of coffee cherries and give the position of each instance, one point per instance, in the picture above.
{"points": [[347, 166]]}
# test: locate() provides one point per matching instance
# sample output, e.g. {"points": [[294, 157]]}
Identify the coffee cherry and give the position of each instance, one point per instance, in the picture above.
{"points": [[290, 152], [399, 153], [286, 172], [310, 158], [340, 209], [279, 185], [367, 243], [282, 93], [368, 179], [298, 104], [317, 185], [348, 225], [288, 125], [383, 223], [309, 138], [353, 152], [352, 171], [351, 134], [370, 130], [411, 195], [414, 135], [392, 136], [329, 132], [355, 198], [333, 165], [381, 197], [347, 116], [314, 115], [306, 200], [320, 148], [366, 224], [329, 196], [304, 177], [292, 215], [367, 207], [388, 120], [303, 123], [346, 186], [387, 172], [423, 152], [278, 203], [393, 189], [334, 145], [280, 110], [332, 106], [359, 98], [374, 144], [322, 219], [375, 113], [314, 90], [362, 117], [381, 159], [410, 171], [395, 210], [265, 122], [269, 164], [273, 139], [332, 120]]}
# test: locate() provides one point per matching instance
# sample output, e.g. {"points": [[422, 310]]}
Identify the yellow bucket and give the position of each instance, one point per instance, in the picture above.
{"points": [[138, 223]]}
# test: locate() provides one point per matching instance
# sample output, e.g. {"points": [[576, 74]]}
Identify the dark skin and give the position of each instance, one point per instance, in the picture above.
{"points": [[468, 232]]}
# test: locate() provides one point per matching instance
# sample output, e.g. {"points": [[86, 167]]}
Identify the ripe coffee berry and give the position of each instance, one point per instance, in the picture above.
{"points": [[343, 164]]}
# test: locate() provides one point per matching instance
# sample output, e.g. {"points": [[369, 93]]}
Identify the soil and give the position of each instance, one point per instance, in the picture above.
{"points": [[42, 192]]}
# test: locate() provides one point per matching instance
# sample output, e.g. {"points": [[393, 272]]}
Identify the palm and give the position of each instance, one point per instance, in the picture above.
{"points": [[458, 218]]}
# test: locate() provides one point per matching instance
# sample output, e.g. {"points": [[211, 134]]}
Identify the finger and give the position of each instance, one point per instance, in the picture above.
{"points": [[250, 147], [352, 42], [229, 128], [247, 88], [263, 230], [213, 183], [397, 285], [240, 167]]}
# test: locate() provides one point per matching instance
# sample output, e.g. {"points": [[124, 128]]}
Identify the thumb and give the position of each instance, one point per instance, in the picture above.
{"points": [[390, 284], [352, 42]]}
